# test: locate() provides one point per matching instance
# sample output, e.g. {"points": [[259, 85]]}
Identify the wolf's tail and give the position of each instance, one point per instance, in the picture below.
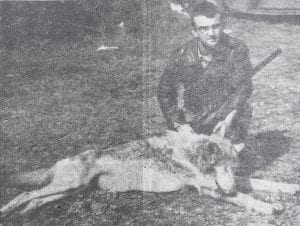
{"points": [[37, 177]]}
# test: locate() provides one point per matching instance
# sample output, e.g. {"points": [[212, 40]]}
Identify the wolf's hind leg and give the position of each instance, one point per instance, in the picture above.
{"points": [[35, 203], [28, 196]]}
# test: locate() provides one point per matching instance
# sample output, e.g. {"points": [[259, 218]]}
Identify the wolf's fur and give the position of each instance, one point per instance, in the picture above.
{"points": [[38, 177], [157, 164]]}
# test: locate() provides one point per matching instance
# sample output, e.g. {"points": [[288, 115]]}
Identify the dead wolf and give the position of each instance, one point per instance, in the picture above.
{"points": [[157, 164]]}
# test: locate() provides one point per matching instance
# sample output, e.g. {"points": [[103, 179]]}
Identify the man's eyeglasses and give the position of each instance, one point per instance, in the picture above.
{"points": [[207, 28]]}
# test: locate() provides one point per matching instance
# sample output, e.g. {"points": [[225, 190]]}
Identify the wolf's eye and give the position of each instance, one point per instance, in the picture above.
{"points": [[211, 148], [210, 170], [213, 160]]}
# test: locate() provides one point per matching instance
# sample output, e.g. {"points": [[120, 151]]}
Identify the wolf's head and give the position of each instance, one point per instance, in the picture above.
{"points": [[217, 156]]}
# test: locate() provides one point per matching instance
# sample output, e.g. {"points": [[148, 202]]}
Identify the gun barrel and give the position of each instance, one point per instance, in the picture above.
{"points": [[266, 61]]}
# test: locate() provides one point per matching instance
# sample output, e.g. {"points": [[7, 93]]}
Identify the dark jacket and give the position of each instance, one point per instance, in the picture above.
{"points": [[187, 85]]}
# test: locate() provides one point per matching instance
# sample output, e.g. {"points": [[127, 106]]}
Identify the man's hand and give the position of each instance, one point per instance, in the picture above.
{"points": [[176, 125], [214, 115], [188, 116], [218, 113]]}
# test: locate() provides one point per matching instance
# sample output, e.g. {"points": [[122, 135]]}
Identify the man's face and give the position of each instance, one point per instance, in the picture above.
{"points": [[208, 30]]}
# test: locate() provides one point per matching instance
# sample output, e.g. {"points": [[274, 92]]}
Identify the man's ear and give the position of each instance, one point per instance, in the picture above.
{"points": [[194, 33]]}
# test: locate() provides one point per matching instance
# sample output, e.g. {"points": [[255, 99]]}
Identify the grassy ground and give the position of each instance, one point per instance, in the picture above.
{"points": [[55, 99]]}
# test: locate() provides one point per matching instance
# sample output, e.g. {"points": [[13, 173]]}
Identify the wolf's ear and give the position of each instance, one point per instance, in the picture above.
{"points": [[239, 147], [220, 129], [222, 126], [230, 117]]}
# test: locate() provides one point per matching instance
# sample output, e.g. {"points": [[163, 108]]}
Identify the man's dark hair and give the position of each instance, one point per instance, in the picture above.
{"points": [[205, 8]]}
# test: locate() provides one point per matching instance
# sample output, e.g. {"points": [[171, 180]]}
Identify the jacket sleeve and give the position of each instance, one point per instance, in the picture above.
{"points": [[241, 79], [242, 75], [168, 95]]}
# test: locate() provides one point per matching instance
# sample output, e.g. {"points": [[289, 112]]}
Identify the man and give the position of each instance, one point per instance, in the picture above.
{"points": [[208, 77]]}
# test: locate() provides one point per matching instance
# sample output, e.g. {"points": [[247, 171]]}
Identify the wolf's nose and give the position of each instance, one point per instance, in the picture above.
{"points": [[226, 190], [1, 217], [231, 192]]}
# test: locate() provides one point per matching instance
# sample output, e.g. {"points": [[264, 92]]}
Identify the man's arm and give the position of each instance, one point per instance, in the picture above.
{"points": [[168, 94], [242, 76], [241, 81]]}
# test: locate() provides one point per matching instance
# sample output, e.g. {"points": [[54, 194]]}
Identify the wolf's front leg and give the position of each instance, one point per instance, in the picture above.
{"points": [[267, 186], [247, 202], [203, 182], [250, 203]]}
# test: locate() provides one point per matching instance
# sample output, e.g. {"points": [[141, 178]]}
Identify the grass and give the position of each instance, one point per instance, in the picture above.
{"points": [[57, 98]]}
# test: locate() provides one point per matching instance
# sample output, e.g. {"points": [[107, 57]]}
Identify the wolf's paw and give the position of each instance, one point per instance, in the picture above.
{"points": [[291, 189], [296, 189], [277, 208], [269, 209]]}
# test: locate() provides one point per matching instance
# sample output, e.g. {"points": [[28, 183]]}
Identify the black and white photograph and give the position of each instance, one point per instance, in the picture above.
{"points": [[150, 112]]}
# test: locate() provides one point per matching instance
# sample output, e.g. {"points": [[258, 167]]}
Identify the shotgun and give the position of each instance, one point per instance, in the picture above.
{"points": [[210, 116], [266, 61]]}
